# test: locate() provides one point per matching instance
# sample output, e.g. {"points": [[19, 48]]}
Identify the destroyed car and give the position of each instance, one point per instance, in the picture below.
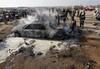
{"points": [[39, 30], [97, 13]]}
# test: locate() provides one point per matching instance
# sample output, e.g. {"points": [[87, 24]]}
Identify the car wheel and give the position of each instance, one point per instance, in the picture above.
{"points": [[17, 34]]}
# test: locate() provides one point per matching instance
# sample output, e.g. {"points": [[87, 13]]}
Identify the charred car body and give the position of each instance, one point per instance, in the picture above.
{"points": [[38, 30], [97, 13], [44, 27]]}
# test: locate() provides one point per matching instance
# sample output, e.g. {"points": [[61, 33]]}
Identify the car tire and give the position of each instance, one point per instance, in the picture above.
{"points": [[17, 34]]}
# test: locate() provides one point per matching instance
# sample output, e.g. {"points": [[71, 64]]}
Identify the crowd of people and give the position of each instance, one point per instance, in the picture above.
{"points": [[65, 14], [9, 15]]}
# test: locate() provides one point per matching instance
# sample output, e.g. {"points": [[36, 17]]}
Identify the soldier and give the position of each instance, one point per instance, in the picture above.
{"points": [[82, 18]]}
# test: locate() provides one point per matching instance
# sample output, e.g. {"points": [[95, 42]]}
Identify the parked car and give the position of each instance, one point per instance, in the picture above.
{"points": [[39, 30]]}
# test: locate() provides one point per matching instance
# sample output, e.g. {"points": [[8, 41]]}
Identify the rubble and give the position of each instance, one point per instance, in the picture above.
{"points": [[64, 54], [33, 46], [52, 47], [97, 25], [89, 64], [71, 67], [26, 51], [39, 53], [21, 50], [54, 51]]}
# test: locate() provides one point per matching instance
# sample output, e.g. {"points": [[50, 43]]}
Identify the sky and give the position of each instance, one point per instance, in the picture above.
{"points": [[34, 3]]}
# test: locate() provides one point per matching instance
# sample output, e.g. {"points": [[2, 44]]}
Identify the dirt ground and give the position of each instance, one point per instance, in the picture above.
{"points": [[5, 29], [74, 58]]}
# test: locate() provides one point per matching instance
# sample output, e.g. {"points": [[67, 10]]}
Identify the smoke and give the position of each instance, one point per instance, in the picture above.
{"points": [[45, 16], [27, 20]]}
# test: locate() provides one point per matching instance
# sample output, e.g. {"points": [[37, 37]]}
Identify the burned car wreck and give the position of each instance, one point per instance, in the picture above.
{"points": [[45, 26], [39, 30]]}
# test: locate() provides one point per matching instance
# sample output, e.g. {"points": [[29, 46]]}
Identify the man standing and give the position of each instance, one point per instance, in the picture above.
{"points": [[66, 14], [4, 17], [73, 13], [73, 26], [82, 18], [78, 12]]}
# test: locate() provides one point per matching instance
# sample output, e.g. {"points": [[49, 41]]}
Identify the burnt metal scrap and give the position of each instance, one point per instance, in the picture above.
{"points": [[97, 24]]}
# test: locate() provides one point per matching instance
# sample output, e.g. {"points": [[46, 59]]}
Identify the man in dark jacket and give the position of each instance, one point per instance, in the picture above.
{"points": [[82, 18]]}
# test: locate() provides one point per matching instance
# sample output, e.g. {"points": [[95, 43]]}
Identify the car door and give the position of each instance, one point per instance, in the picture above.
{"points": [[34, 30], [28, 31], [39, 30]]}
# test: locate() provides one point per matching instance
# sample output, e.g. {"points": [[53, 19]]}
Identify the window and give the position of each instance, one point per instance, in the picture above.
{"points": [[35, 26], [38, 26], [29, 27]]}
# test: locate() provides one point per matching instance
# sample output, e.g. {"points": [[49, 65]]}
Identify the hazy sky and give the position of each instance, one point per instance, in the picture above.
{"points": [[32, 3]]}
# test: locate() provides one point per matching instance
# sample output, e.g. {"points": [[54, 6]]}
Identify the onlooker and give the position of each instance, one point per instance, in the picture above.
{"points": [[73, 13], [82, 18], [66, 14], [4, 17], [64, 20], [78, 13], [73, 26]]}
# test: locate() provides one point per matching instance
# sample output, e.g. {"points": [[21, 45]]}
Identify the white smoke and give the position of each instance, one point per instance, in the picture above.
{"points": [[27, 20]]}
